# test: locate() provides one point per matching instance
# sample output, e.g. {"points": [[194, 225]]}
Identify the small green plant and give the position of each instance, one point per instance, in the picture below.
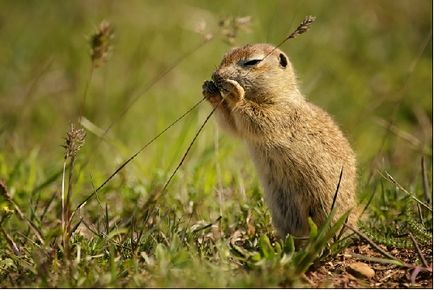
{"points": [[283, 256]]}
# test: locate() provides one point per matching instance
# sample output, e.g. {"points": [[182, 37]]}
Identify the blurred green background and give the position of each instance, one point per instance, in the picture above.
{"points": [[368, 63]]}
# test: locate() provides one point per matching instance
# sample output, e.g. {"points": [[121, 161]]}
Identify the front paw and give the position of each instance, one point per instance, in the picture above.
{"points": [[211, 92], [231, 90]]}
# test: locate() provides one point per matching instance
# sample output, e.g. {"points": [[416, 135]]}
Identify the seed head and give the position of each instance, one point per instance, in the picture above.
{"points": [[231, 26], [74, 140], [303, 27], [100, 43], [201, 28]]}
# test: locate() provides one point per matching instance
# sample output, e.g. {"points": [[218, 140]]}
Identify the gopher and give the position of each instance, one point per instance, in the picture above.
{"points": [[298, 150]]}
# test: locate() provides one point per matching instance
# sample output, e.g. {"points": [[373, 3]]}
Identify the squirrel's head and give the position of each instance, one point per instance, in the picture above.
{"points": [[263, 71]]}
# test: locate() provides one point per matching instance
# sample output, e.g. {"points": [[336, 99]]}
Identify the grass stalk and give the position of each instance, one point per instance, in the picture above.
{"points": [[337, 189], [73, 142], [158, 193], [303, 27], [10, 241], [426, 191], [392, 180], [373, 244], [95, 191], [418, 250]]}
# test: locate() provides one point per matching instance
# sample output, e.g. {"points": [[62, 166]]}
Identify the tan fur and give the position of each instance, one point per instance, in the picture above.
{"points": [[297, 148]]}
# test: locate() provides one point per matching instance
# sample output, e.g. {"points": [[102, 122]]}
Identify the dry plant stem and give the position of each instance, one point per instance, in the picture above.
{"points": [[377, 260], [134, 156], [419, 211], [146, 89], [425, 181], [337, 189], [90, 229], [107, 229], [386, 254], [10, 241], [75, 227], [86, 90], [63, 200], [208, 225], [414, 141], [419, 252], [334, 201], [303, 27], [150, 85], [36, 231], [74, 140], [392, 180], [69, 192], [368, 203], [155, 196], [341, 232], [47, 206], [66, 207], [123, 113]]}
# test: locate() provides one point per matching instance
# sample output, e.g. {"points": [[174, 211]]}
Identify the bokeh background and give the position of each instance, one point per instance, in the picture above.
{"points": [[367, 63]]}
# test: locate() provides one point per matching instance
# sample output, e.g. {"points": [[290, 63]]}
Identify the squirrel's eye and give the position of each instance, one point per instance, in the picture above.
{"points": [[252, 62]]}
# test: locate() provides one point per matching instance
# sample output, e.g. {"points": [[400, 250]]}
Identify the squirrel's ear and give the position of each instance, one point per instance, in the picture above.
{"points": [[283, 60]]}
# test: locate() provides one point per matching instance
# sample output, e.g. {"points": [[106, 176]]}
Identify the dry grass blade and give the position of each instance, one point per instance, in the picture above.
{"points": [[150, 85], [368, 203], [207, 225], [419, 252], [93, 193], [10, 241], [375, 259], [399, 132], [337, 188], [425, 181], [100, 49], [73, 142], [47, 206], [392, 180], [155, 196], [373, 244], [302, 28]]}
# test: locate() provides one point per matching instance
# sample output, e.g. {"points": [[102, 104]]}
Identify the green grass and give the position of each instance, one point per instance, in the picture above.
{"points": [[367, 63]]}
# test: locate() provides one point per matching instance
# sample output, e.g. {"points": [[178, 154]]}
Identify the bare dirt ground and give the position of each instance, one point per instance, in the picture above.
{"points": [[337, 273]]}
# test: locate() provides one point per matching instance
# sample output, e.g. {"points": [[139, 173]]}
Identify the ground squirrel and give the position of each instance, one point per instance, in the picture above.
{"points": [[297, 148]]}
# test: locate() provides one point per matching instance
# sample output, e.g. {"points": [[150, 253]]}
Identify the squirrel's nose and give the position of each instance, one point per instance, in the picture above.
{"points": [[216, 76]]}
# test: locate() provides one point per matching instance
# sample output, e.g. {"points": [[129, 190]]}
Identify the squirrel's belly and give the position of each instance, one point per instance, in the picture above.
{"points": [[287, 194]]}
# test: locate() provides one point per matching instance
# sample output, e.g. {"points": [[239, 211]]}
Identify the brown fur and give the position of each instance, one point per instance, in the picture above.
{"points": [[297, 148]]}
